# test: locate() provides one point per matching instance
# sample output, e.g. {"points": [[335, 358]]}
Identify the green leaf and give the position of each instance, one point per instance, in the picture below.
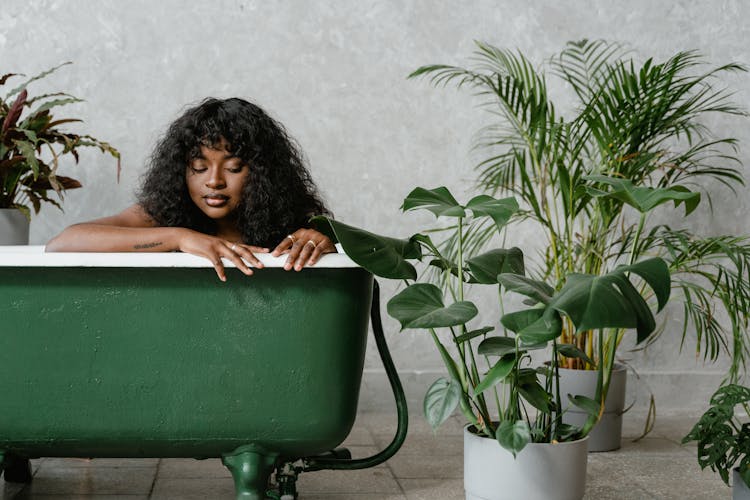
{"points": [[496, 346], [28, 151], [536, 395], [441, 400], [534, 289], [499, 211], [381, 255], [421, 306], [474, 333], [513, 436], [535, 326], [586, 404], [571, 351], [655, 272], [541, 331], [609, 300], [439, 201], [644, 199], [486, 267], [518, 320], [498, 372], [731, 395]]}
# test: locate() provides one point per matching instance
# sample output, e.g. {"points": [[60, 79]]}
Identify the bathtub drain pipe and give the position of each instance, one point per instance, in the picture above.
{"points": [[320, 463]]}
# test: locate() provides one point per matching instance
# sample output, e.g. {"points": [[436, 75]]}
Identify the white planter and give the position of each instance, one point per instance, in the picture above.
{"points": [[740, 491], [14, 227], [607, 433], [540, 472]]}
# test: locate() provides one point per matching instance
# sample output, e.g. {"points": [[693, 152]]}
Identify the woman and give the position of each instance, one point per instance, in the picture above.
{"points": [[226, 181]]}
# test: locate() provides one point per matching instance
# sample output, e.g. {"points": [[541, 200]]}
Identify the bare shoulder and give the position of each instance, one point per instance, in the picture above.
{"points": [[133, 216]]}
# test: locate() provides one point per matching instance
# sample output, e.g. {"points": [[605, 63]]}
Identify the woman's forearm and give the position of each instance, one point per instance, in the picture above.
{"points": [[92, 237]]}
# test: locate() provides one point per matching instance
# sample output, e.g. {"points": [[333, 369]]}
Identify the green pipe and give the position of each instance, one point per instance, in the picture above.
{"points": [[321, 463]]}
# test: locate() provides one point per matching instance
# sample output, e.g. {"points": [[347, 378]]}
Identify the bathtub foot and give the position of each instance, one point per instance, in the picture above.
{"points": [[16, 469], [251, 466]]}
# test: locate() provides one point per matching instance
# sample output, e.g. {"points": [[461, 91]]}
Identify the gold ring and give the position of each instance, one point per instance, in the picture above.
{"points": [[311, 242], [291, 238]]}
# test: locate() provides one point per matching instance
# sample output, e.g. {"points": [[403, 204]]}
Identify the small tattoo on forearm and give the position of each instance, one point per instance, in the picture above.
{"points": [[147, 245]]}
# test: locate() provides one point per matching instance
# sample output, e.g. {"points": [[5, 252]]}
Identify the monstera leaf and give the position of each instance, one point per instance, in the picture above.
{"points": [[486, 267], [641, 198], [421, 306], [382, 256], [590, 301], [439, 201], [499, 211], [611, 300]]}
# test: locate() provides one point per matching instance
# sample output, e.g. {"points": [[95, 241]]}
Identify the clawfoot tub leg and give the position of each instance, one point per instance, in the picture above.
{"points": [[251, 466], [15, 469]]}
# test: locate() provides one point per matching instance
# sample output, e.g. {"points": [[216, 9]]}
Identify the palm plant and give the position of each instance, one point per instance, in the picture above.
{"points": [[591, 182]]}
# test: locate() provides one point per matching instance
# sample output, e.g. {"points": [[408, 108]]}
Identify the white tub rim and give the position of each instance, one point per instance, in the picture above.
{"points": [[35, 256]]}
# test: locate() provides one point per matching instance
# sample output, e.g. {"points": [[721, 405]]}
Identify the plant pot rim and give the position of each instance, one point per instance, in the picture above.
{"points": [[618, 367], [468, 431]]}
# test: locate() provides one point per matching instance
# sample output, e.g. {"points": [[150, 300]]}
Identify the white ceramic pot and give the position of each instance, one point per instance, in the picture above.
{"points": [[607, 433], [14, 227], [740, 491], [541, 471]]}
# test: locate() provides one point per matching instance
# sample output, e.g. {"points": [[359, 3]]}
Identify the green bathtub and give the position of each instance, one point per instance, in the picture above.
{"points": [[150, 355]]}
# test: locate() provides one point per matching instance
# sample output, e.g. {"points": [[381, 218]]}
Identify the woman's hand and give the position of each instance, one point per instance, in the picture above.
{"points": [[304, 246], [214, 249]]}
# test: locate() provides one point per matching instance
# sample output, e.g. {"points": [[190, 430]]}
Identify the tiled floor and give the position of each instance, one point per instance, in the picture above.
{"points": [[427, 467]]}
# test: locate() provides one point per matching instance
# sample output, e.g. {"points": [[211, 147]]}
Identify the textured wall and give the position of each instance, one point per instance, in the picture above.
{"points": [[334, 73]]}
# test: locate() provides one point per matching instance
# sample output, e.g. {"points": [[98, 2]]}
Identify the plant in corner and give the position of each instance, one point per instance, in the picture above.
{"points": [[485, 368], [31, 146], [723, 440], [592, 181]]}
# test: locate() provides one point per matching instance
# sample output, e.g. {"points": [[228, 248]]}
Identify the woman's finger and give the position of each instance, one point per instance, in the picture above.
{"points": [[307, 250], [256, 249], [294, 252], [232, 254], [285, 244], [248, 255], [219, 266]]}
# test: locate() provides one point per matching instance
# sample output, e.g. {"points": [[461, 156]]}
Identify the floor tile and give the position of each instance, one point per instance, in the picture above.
{"points": [[427, 466], [54, 480], [193, 489], [370, 481], [191, 468], [100, 462], [432, 489]]}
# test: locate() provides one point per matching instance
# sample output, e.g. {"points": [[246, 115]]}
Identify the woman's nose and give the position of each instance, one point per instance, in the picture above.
{"points": [[215, 179]]}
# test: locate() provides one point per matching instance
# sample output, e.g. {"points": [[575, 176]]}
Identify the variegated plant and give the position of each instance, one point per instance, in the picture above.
{"points": [[32, 143]]}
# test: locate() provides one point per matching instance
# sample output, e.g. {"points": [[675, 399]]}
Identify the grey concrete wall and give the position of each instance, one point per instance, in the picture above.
{"points": [[334, 73]]}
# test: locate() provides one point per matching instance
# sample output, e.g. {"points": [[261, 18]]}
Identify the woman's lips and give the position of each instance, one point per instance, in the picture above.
{"points": [[216, 200]]}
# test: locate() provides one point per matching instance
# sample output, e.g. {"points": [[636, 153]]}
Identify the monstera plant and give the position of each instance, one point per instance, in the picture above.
{"points": [[477, 360], [32, 144], [492, 362]]}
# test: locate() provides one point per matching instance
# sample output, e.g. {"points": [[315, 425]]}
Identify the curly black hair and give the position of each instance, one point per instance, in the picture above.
{"points": [[279, 195]]}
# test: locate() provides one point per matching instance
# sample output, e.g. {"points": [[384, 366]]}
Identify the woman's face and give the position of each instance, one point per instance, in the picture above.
{"points": [[215, 180]]}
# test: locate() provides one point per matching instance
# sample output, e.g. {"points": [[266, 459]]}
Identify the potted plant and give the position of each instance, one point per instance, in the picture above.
{"points": [[592, 181], [724, 440], [31, 146], [505, 448]]}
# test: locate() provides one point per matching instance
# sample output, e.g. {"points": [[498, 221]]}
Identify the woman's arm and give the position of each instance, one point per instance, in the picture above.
{"points": [[132, 230]]}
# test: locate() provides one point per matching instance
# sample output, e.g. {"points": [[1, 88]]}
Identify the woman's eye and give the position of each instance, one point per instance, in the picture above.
{"points": [[236, 169], [198, 168]]}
